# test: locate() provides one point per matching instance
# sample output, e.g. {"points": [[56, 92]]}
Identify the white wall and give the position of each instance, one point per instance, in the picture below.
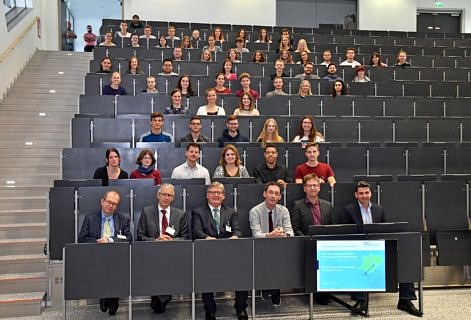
{"points": [[464, 5], [398, 15], [258, 12], [19, 55]]}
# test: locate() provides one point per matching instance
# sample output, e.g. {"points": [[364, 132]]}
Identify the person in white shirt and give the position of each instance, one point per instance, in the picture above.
{"points": [[350, 55], [191, 168], [147, 33]]}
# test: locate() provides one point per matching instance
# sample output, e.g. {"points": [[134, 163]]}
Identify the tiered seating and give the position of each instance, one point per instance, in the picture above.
{"points": [[407, 130]]}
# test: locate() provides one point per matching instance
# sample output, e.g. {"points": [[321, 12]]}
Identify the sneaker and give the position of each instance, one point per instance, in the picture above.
{"points": [[276, 300]]}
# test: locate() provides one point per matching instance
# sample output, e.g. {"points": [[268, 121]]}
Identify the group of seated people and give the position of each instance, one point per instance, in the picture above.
{"points": [[307, 136], [269, 219]]}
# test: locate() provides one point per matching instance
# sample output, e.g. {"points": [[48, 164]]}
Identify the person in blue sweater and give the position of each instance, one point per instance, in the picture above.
{"points": [[156, 133]]}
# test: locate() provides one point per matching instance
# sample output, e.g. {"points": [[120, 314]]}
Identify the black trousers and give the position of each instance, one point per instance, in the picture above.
{"points": [[406, 292], [240, 301]]}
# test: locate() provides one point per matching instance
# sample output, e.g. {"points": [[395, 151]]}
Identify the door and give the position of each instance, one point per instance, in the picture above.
{"points": [[439, 22]]}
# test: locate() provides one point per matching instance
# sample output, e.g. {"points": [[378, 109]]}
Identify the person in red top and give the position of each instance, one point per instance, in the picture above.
{"points": [[320, 169], [146, 170], [244, 79]]}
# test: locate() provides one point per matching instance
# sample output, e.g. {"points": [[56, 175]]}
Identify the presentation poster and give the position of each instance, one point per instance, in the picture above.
{"points": [[355, 265]]}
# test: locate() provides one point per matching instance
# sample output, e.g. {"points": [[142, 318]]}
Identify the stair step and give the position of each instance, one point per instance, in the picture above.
{"points": [[30, 152], [22, 246], [23, 282], [23, 216], [23, 230], [39, 128], [31, 162], [63, 141], [20, 203], [21, 304], [38, 180], [23, 263], [24, 191]]}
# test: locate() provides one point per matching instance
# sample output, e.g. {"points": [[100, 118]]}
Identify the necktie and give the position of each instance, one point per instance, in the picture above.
{"points": [[217, 219], [316, 213], [164, 221], [270, 221], [107, 229]]}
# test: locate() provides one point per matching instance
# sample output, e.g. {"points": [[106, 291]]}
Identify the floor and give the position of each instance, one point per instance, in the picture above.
{"points": [[438, 304]]}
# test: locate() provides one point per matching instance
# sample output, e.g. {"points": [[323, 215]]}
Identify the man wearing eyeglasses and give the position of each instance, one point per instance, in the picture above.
{"points": [[195, 134], [106, 226], [213, 221], [231, 134], [162, 222]]}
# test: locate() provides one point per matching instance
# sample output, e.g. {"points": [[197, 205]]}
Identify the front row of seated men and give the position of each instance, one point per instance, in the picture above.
{"points": [[163, 222]]}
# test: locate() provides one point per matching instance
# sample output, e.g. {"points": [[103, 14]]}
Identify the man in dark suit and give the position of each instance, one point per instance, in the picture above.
{"points": [[309, 211], [104, 227], [162, 222], [363, 211], [213, 221]]}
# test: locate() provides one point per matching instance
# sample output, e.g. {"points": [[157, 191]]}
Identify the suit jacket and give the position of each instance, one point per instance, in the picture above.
{"points": [[91, 228], [148, 228], [352, 213], [204, 225], [301, 216]]}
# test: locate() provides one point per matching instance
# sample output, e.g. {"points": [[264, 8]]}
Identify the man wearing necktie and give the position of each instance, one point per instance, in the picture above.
{"points": [[162, 222], [106, 226], [363, 211], [271, 220], [213, 221]]}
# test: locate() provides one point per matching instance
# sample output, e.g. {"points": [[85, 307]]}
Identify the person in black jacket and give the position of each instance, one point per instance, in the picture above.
{"points": [[231, 133]]}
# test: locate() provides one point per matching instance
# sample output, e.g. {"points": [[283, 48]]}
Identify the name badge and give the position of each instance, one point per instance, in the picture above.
{"points": [[170, 231], [122, 237], [228, 228]]}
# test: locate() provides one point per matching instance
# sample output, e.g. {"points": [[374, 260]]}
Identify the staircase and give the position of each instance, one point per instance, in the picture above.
{"points": [[34, 128]]}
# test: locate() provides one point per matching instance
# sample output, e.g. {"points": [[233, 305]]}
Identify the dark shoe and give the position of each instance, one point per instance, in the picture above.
{"points": [[408, 306], [114, 304], [322, 298], [276, 300], [153, 302], [210, 316], [242, 315], [359, 307], [158, 307], [104, 304]]}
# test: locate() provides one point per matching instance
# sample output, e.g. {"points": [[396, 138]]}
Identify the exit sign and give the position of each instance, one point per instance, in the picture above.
{"points": [[439, 4]]}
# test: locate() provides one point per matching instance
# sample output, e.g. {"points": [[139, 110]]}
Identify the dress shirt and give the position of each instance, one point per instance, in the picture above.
{"points": [[366, 214], [184, 171], [258, 217]]}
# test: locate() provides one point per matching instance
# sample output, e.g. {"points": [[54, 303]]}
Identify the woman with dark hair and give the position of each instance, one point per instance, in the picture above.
{"points": [[220, 88], [242, 34], [211, 108], [285, 55], [133, 66], [134, 41], [176, 106], [186, 43], [229, 164], [227, 69], [307, 131], [111, 170], [338, 89], [105, 65], [233, 55], [375, 60], [258, 57], [146, 167], [218, 35], [162, 42], [184, 84]]}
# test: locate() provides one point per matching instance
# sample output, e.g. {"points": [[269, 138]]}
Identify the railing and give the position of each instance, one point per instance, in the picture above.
{"points": [[18, 39]]}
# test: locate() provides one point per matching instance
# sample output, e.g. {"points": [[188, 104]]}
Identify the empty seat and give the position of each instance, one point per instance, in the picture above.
{"points": [[380, 130], [369, 107], [341, 130], [429, 108], [347, 162], [425, 160], [457, 108], [457, 160], [339, 106], [387, 161], [399, 107], [413, 130], [444, 130]]}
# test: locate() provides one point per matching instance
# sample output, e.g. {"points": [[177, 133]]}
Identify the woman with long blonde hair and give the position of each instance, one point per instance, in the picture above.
{"points": [[269, 133]]}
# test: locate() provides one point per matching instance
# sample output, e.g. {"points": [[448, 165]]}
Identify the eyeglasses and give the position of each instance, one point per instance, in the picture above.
{"points": [[111, 203], [311, 186]]}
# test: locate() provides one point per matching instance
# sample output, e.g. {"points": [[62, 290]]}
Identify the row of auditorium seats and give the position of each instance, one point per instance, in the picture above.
{"points": [[306, 30], [394, 162], [197, 68], [319, 106], [422, 208], [134, 84], [439, 59], [86, 131]]}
